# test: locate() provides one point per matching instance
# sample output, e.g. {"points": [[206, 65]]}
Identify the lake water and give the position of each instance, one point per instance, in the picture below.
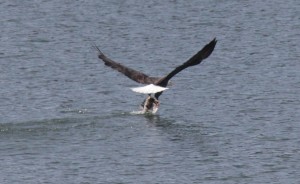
{"points": [[66, 118]]}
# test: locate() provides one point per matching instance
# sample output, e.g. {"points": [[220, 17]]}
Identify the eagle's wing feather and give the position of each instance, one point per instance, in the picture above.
{"points": [[130, 73], [195, 60]]}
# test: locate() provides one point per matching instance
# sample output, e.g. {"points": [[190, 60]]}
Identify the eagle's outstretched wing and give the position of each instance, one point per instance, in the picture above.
{"points": [[195, 60], [130, 73]]}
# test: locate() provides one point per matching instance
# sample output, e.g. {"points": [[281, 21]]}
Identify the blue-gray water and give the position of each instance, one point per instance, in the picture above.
{"points": [[65, 117]]}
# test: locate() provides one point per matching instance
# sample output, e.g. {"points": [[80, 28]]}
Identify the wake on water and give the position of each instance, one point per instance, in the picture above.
{"points": [[142, 112], [137, 112]]}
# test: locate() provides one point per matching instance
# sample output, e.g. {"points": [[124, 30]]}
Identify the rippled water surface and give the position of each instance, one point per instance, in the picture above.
{"points": [[66, 118]]}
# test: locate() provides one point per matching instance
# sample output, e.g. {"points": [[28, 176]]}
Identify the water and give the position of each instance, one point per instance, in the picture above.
{"points": [[66, 118]]}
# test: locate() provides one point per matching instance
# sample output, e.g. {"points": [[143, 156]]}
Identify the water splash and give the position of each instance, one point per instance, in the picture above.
{"points": [[143, 112]]}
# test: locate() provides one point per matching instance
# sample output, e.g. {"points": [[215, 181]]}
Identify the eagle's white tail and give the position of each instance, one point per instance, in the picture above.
{"points": [[149, 89]]}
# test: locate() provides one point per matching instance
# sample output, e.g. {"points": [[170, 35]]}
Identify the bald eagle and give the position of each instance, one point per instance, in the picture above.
{"points": [[155, 85]]}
